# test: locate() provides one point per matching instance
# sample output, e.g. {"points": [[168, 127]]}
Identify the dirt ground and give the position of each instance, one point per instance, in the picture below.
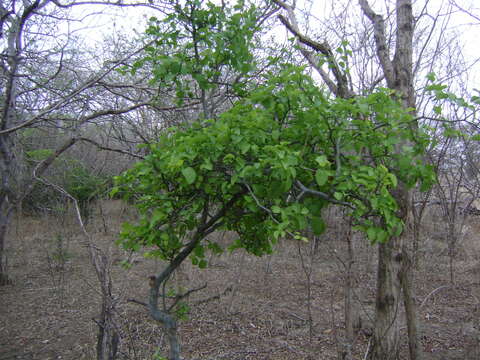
{"points": [[252, 308]]}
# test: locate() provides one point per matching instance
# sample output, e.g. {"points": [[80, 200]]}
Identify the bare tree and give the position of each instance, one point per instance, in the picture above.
{"points": [[47, 82]]}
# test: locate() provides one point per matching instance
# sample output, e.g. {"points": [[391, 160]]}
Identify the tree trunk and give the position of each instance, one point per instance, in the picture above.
{"points": [[8, 117], [171, 328], [107, 337], [353, 321], [386, 339], [410, 303], [4, 219], [5, 204], [393, 254]]}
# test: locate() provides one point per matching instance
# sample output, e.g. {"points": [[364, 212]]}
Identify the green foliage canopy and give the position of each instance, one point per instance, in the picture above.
{"points": [[269, 165], [197, 44]]}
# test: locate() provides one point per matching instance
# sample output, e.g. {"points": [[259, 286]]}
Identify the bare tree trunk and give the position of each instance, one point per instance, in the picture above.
{"points": [[6, 193], [5, 208], [386, 333], [5, 214], [410, 303], [352, 315], [9, 73], [171, 328], [6, 157], [451, 240], [107, 337]]}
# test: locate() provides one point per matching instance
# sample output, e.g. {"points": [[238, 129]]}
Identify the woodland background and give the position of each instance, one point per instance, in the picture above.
{"points": [[75, 114]]}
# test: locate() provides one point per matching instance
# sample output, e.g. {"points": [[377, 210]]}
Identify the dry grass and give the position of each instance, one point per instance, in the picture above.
{"points": [[261, 312]]}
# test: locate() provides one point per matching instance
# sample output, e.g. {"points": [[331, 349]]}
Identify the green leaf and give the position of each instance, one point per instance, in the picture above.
{"points": [[318, 225], [321, 177], [372, 234], [190, 175], [207, 165], [393, 179], [364, 108], [322, 160], [158, 215], [382, 236], [276, 209], [114, 191]]}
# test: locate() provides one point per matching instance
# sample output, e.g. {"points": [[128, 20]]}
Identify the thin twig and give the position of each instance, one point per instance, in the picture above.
{"points": [[432, 293]]}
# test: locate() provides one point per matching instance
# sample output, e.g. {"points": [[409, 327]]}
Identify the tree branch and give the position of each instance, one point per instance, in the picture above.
{"points": [[41, 115], [380, 42], [202, 230], [101, 147], [320, 194], [341, 88]]}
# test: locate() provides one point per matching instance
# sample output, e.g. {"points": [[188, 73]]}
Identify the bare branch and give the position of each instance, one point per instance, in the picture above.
{"points": [[89, 83], [100, 146], [321, 195], [340, 88], [380, 42]]}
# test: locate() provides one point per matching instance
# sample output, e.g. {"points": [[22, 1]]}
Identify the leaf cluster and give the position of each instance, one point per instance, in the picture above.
{"points": [[272, 163], [191, 48]]}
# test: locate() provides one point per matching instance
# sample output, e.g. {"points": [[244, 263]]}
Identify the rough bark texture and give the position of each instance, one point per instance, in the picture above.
{"points": [[4, 219], [107, 337], [385, 341], [394, 270], [9, 89], [410, 304], [5, 204]]}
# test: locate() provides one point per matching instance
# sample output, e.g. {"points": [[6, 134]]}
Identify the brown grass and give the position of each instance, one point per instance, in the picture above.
{"points": [[261, 312]]}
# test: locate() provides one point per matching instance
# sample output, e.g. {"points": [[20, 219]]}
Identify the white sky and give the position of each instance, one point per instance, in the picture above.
{"points": [[110, 20]]}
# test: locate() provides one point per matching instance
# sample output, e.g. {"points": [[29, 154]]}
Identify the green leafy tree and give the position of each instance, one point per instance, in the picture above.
{"points": [[266, 168], [199, 49]]}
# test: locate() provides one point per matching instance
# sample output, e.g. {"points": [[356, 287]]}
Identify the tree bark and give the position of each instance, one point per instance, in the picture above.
{"points": [[353, 321], [410, 304], [107, 337], [393, 266], [6, 144], [5, 213], [6, 206], [386, 333]]}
